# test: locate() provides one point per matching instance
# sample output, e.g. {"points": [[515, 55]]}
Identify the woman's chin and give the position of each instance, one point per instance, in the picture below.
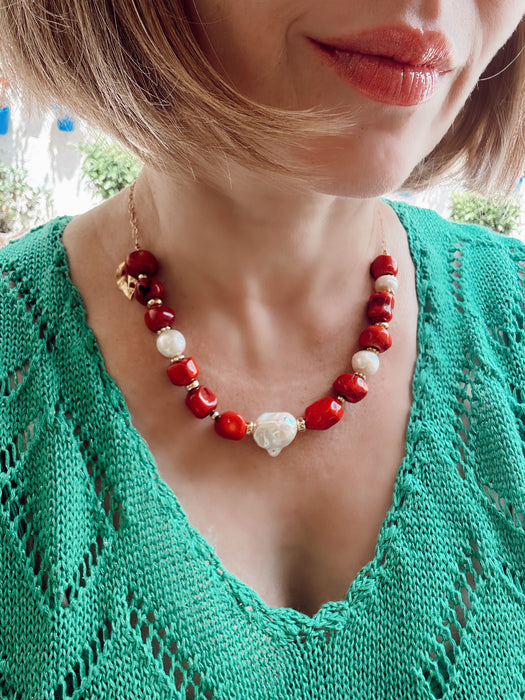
{"points": [[352, 169]]}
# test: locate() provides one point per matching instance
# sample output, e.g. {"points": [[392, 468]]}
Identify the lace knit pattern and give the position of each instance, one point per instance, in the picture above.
{"points": [[107, 591]]}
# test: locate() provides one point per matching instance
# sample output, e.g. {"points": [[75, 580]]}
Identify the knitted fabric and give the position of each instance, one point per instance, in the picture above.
{"points": [[107, 591]]}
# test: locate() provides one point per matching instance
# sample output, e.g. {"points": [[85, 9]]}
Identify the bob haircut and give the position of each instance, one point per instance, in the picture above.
{"points": [[134, 69]]}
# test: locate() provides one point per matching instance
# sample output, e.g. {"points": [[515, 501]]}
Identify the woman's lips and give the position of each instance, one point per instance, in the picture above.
{"points": [[392, 65]]}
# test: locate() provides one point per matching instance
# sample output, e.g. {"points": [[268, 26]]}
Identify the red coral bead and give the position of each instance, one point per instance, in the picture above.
{"points": [[148, 288], [158, 317], [380, 307], [383, 265], [324, 413], [201, 401], [230, 425], [183, 372], [141, 262], [376, 337], [352, 387]]}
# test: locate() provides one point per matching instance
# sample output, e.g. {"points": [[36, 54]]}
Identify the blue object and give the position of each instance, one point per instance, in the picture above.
{"points": [[66, 123], [4, 119]]}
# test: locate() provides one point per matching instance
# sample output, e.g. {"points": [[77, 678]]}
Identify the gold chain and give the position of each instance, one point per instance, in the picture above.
{"points": [[132, 217]]}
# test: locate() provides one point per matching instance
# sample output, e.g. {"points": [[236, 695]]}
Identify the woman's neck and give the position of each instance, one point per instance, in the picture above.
{"points": [[252, 240]]}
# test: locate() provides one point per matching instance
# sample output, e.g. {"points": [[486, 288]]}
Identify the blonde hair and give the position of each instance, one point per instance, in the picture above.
{"points": [[134, 69]]}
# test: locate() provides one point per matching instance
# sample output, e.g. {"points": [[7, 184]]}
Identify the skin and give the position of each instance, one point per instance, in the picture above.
{"points": [[270, 285], [264, 50]]}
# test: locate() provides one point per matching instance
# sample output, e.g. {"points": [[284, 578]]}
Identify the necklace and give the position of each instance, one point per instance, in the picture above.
{"points": [[136, 278]]}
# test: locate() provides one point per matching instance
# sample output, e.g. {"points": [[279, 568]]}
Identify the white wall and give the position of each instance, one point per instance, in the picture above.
{"points": [[49, 155]]}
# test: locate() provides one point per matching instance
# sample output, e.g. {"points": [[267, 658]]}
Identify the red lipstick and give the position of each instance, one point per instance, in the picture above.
{"points": [[392, 65]]}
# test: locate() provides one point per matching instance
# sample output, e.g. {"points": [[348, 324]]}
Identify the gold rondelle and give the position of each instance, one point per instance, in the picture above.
{"points": [[340, 398], [177, 358], [374, 350], [301, 425], [250, 427], [142, 276], [214, 415], [164, 328], [360, 374], [193, 385], [154, 302], [384, 324]]}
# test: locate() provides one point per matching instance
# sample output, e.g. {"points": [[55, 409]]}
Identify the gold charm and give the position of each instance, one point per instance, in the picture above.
{"points": [[126, 283]]}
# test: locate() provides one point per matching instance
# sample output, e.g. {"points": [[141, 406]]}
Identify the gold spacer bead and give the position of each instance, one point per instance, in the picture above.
{"points": [[177, 358], [214, 415], [164, 328], [154, 302], [383, 323], [341, 399], [193, 385], [360, 374], [142, 276], [250, 427], [374, 350], [301, 425]]}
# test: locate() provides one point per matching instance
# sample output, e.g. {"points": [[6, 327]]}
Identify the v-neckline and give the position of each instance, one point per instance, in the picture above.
{"points": [[332, 614]]}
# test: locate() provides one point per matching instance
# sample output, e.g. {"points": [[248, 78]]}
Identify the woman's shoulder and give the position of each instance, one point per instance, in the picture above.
{"points": [[430, 226], [33, 269], [470, 284], [34, 250], [29, 261], [475, 258], [29, 268]]}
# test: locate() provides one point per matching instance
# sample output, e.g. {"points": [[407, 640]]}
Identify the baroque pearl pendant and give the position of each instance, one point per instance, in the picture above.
{"points": [[274, 431]]}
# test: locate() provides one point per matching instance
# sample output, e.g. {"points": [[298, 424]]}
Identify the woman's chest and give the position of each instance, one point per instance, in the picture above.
{"points": [[296, 532]]}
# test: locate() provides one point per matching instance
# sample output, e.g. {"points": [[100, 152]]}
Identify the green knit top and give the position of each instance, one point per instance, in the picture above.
{"points": [[107, 591]]}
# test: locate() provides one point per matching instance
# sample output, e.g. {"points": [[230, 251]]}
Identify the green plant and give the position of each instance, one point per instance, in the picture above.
{"points": [[501, 215], [107, 167], [21, 205]]}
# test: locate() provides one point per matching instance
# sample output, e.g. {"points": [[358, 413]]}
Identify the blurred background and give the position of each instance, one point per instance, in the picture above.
{"points": [[52, 163]]}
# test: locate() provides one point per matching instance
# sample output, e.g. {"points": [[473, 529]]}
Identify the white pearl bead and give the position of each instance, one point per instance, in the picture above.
{"points": [[386, 283], [171, 343], [366, 362], [274, 431]]}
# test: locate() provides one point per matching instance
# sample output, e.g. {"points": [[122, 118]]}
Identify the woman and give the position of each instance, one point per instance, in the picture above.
{"points": [[379, 554]]}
